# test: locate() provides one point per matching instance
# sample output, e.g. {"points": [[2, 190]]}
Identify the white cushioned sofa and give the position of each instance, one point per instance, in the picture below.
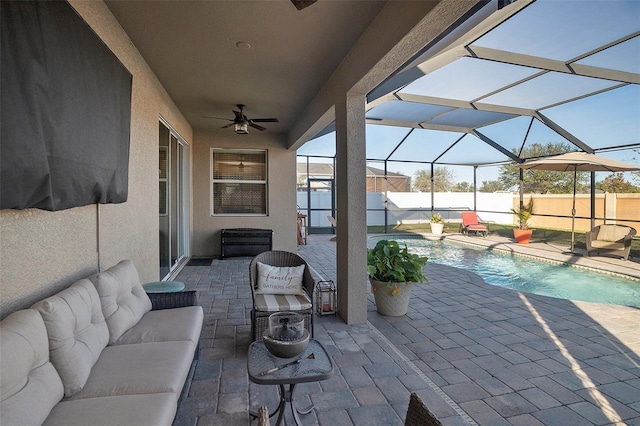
{"points": [[97, 354]]}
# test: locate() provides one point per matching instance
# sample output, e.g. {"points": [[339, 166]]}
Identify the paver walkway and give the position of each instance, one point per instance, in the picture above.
{"points": [[475, 353]]}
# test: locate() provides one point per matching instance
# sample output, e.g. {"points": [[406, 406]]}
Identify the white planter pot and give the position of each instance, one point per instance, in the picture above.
{"points": [[387, 304], [437, 228]]}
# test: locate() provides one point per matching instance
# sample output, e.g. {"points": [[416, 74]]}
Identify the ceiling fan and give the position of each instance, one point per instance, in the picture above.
{"points": [[242, 123], [301, 4]]}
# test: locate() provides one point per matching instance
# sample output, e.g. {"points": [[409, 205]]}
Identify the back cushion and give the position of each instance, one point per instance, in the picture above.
{"points": [[77, 332], [612, 232], [30, 385], [122, 297]]}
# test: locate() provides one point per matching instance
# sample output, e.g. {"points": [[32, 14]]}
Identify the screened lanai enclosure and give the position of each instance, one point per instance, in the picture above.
{"points": [[531, 79]]}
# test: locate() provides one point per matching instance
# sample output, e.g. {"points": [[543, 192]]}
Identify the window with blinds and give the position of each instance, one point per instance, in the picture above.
{"points": [[238, 182]]}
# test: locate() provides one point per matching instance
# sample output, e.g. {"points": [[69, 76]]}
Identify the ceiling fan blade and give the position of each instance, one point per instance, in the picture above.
{"points": [[301, 4], [217, 118], [228, 125], [264, 120], [255, 126]]}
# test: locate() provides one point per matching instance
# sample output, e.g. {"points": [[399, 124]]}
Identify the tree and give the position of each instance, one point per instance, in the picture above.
{"points": [[636, 174], [462, 187], [443, 180], [542, 181], [491, 186], [616, 182]]}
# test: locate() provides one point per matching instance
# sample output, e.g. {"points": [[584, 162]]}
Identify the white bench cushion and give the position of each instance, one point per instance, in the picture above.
{"points": [[154, 409], [30, 386], [77, 332], [123, 299], [157, 367], [166, 325]]}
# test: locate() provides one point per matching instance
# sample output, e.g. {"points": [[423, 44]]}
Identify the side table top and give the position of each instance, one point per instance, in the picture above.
{"points": [[259, 360], [163, 287]]}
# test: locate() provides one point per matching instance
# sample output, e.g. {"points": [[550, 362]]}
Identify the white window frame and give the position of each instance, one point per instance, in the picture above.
{"points": [[213, 181]]}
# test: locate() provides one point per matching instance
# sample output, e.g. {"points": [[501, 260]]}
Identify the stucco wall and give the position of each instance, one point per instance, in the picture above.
{"points": [[42, 252], [281, 184]]}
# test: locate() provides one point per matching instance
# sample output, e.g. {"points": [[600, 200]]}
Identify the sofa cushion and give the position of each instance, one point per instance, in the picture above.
{"points": [[123, 299], [612, 232], [77, 332], [166, 325], [607, 245], [30, 386], [153, 409], [157, 367], [282, 302]]}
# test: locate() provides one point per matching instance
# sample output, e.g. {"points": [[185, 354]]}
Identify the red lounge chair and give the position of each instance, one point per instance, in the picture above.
{"points": [[470, 224]]}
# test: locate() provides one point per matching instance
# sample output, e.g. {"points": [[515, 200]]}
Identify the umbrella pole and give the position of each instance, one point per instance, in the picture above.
{"points": [[573, 209]]}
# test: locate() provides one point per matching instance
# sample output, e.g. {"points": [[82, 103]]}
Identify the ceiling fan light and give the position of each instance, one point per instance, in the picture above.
{"points": [[241, 128]]}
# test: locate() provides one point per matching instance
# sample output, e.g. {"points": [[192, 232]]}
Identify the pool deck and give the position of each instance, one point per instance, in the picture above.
{"points": [[475, 353]]}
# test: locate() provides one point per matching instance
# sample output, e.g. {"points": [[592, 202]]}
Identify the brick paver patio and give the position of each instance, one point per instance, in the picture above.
{"points": [[475, 354]]}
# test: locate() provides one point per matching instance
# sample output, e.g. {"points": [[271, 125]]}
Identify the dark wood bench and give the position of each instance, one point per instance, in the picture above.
{"points": [[245, 242]]}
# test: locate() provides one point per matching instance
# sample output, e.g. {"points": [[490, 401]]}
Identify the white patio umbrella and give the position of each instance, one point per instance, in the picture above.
{"points": [[577, 162]]}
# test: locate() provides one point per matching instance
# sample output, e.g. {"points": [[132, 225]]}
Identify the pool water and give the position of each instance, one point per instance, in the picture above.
{"points": [[524, 274]]}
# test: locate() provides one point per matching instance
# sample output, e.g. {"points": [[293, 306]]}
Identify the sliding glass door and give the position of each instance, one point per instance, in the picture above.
{"points": [[173, 200]]}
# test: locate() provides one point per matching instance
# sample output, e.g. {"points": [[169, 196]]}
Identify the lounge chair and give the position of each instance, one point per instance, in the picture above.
{"points": [[614, 239], [334, 224], [470, 223], [267, 302]]}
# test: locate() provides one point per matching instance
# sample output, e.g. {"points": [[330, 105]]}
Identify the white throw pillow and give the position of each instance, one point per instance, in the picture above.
{"points": [[280, 279]]}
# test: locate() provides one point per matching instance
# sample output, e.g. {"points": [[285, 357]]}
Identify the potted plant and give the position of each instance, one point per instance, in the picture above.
{"points": [[523, 233], [437, 224], [392, 272]]}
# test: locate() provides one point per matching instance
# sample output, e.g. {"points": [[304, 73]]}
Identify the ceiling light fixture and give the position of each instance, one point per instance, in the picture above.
{"points": [[241, 128], [243, 45]]}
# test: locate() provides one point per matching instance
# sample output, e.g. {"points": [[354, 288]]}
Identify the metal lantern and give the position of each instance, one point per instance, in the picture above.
{"points": [[326, 300]]}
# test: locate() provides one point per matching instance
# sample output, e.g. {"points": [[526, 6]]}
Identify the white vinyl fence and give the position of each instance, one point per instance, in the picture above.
{"points": [[415, 207]]}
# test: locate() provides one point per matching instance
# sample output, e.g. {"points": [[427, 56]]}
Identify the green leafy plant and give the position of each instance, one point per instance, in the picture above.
{"points": [[523, 214], [436, 218], [388, 262]]}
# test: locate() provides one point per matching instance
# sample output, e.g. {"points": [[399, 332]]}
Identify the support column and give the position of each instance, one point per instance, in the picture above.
{"points": [[351, 209], [433, 191], [475, 188]]}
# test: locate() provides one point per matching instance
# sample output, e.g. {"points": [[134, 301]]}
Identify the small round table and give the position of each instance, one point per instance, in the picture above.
{"points": [[163, 287], [312, 365]]}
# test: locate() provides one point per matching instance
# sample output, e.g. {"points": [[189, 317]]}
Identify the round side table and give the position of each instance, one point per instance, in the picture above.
{"points": [[163, 287]]}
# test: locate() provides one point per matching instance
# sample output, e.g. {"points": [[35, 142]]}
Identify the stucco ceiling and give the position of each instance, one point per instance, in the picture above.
{"points": [[198, 50]]}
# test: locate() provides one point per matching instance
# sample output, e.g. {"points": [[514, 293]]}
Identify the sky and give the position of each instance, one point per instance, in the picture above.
{"points": [[602, 113]]}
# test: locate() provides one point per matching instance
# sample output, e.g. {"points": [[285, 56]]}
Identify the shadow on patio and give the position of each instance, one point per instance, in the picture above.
{"points": [[474, 353]]}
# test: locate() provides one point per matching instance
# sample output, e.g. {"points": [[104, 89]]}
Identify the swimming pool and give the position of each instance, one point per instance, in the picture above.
{"points": [[524, 274]]}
